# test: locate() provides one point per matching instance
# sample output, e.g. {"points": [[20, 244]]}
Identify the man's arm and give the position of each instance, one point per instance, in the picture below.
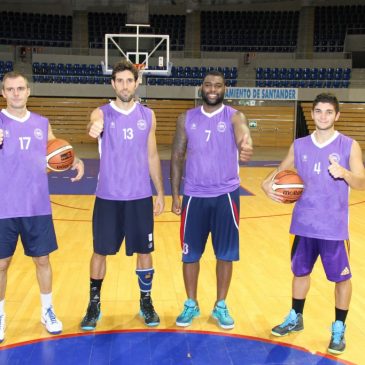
{"points": [[242, 136], [155, 168], [286, 164], [76, 165], [177, 162], [355, 177]]}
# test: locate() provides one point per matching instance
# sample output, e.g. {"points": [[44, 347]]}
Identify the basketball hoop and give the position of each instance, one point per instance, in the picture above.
{"points": [[140, 67]]}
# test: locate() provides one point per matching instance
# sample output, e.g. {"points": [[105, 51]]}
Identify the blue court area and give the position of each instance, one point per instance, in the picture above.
{"points": [[158, 348], [59, 182]]}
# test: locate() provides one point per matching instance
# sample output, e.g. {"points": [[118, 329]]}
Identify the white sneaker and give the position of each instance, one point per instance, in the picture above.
{"points": [[2, 327], [50, 321]]}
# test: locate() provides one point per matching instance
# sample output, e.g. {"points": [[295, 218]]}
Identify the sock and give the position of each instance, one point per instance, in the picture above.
{"points": [[2, 302], [95, 288], [145, 277], [341, 314], [298, 305], [46, 300]]}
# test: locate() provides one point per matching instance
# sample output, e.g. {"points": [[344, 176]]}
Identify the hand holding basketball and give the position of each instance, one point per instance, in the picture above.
{"points": [[289, 185], [60, 155], [335, 169], [96, 128], [245, 149]]}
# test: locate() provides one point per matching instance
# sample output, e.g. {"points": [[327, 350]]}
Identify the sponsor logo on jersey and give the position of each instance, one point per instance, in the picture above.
{"points": [[304, 158], [193, 126], [221, 127], [6, 133], [38, 133], [112, 124], [141, 124], [335, 156], [345, 271]]}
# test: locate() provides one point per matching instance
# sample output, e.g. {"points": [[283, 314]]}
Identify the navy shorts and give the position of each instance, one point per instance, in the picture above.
{"points": [[218, 216], [37, 235], [114, 220], [334, 256]]}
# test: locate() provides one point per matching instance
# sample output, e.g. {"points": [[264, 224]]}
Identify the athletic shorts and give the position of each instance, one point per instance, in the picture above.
{"points": [[37, 235], [334, 256], [114, 220], [218, 216]]}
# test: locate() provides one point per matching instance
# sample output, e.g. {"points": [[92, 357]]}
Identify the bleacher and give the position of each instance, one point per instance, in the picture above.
{"points": [[249, 31], [68, 73], [192, 76], [5, 66], [332, 23], [303, 77], [34, 29]]}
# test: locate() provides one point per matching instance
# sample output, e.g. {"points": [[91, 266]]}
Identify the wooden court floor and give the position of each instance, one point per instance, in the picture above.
{"points": [[260, 293]]}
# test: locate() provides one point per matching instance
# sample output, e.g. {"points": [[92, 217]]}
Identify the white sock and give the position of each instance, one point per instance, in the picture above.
{"points": [[46, 300], [2, 302]]}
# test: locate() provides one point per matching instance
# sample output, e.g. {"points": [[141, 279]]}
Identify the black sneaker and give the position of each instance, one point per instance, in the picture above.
{"points": [[92, 316], [147, 311]]}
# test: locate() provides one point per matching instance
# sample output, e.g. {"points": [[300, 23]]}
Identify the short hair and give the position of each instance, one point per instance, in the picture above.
{"points": [[215, 73], [123, 66], [327, 98], [14, 75]]}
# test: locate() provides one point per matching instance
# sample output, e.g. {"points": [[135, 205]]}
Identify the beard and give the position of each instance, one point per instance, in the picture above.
{"points": [[125, 99], [207, 101]]}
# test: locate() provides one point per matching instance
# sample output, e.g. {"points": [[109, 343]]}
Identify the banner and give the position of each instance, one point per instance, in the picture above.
{"points": [[257, 93]]}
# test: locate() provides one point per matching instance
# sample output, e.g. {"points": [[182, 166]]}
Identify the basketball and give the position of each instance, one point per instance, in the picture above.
{"points": [[290, 184], [60, 155]]}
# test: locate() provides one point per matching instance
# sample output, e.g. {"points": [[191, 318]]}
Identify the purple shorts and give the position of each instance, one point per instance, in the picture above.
{"points": [[334, 256]]}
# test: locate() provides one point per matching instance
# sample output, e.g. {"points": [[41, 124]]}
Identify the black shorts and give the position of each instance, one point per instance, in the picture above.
{"points": [[37, 235], [114, 220]]}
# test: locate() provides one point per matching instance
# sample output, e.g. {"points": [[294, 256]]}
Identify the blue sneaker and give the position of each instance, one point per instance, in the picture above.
{"points": [[337, 344], [292, 323], [221, 314], [191, 310]]}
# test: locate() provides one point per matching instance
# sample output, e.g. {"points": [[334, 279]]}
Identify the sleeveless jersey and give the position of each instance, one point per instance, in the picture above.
{"points": [[212, 156], [124, 170], [23, 168], [322, 211]]}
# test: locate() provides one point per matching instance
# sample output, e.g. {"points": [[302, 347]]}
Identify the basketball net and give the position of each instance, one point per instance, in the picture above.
{"points": [[140, 67]]}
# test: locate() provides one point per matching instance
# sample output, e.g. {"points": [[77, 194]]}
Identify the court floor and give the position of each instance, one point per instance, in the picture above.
{"points": [[259, 296]]}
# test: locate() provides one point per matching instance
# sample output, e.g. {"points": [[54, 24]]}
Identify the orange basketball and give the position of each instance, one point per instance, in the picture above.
{"points": [[290, 184], [60, 155]]}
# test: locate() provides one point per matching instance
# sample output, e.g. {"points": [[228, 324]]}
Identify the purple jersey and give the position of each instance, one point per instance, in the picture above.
{"points": [[23, 168], [322, 211], [124, 169], [212, 156]]}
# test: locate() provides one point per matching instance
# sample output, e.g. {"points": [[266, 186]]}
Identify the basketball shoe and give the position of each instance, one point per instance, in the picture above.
{"points": [[337, 344], [221, 314], [292, 323], [93, 314], [191, 310], [2, 327], [148, 313], [51, 322]]}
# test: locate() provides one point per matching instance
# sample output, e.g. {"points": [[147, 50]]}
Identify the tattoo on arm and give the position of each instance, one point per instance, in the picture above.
{"points": [[178, 155]]}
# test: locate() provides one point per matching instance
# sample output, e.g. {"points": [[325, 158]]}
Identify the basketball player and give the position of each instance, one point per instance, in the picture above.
{"points": [[213, 137], [123, 205], [25, 208], [329, 164]]}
